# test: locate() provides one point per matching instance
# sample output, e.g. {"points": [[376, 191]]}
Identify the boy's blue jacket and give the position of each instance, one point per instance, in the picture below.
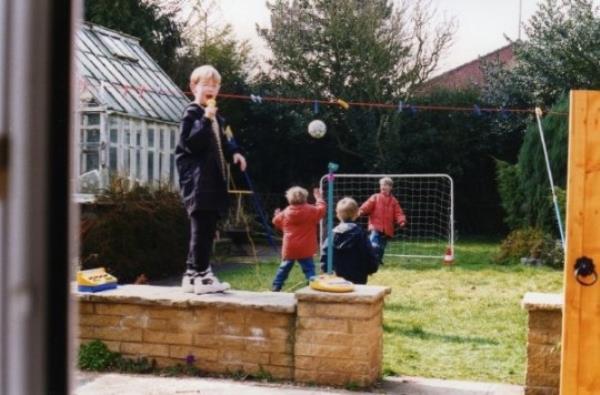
{"points": [[353, 256], [201, 183]]}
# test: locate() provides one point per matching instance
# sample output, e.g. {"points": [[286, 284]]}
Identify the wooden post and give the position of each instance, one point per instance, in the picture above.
{"points": [[580, 367]]}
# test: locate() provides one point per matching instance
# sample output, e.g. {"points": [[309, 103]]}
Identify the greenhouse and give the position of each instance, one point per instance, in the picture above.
{"points": [[128, 113]]}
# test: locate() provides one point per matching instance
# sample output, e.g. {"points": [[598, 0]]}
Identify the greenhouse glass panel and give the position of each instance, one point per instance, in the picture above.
{"points": [[161, 158], [150, 137], [92, 136], [91, 160], [150, 166], [126, 162], [126, 147], [92, 119], [112, 160], [114, 136], [138, 163], [172, 168]]}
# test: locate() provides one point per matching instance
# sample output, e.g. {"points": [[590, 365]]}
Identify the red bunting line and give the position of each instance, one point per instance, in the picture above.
{"points": [[336, 102], [384, 105]]}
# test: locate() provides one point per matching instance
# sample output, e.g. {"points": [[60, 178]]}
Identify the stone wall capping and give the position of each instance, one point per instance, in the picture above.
{"points": [[361, 294], [542, 301], [277, 302]]}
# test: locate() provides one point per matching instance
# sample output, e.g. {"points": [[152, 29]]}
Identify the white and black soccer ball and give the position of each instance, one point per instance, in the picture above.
{"points": [[317, 129]]}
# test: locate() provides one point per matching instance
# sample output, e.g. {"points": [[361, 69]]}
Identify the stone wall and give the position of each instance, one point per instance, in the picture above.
{"points": [[339, 337], [308, 336], [543, 343]]}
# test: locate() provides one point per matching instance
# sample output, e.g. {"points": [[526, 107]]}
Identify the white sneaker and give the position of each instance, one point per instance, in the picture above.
{"points": [[206, 283], [187, 282]]}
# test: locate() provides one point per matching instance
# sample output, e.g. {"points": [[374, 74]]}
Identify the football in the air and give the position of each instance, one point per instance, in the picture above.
{"points": [[317, 128]]}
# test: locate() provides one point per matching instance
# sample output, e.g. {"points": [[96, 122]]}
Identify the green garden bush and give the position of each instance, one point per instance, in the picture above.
{"points": [[524, 187], [96, 356], [531, 245], [136, 231]]}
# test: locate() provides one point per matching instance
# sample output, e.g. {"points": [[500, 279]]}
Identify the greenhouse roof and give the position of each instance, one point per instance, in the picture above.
{"points": [[120, 75]]}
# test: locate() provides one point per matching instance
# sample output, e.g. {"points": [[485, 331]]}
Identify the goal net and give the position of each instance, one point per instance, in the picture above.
{"points": [[426, 199]]}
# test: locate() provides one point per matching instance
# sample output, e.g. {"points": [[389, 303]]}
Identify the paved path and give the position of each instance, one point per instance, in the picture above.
{"points": [[125, 384]]}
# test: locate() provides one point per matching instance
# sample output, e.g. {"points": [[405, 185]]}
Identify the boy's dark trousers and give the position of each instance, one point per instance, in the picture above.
{"points": [[203, 224]]}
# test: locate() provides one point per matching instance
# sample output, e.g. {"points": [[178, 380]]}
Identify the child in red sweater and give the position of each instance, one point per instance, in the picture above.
{"points": [[383, 210], [299, 225]]}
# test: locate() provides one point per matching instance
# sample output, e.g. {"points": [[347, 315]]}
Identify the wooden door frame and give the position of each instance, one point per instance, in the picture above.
{"points": [[35, 119], [580, 360]]}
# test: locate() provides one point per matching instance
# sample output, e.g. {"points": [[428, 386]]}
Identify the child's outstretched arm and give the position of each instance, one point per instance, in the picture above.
{"points": [[320, 205], [367, 207], [399, 214], [233, 152]]}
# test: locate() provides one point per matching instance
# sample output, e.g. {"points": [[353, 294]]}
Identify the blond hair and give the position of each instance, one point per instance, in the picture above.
{"points": [[205, 73], [296, 195], [346, 209], [386, 181]]}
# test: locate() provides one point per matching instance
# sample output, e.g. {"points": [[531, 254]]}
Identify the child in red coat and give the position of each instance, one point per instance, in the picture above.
{"points": [[299, 225], [383, 210]]}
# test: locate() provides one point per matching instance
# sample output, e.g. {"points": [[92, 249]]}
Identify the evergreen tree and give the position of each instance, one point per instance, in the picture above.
{"points": [[159, 34]]}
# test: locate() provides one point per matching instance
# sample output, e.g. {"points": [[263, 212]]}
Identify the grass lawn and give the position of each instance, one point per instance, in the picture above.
{"points": [[458, 322]]}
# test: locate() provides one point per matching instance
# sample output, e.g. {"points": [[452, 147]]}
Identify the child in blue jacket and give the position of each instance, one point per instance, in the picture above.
{"points": [[353, 256]]}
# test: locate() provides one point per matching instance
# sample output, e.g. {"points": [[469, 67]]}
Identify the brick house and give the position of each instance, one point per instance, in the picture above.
{"points": [[469, 74]]}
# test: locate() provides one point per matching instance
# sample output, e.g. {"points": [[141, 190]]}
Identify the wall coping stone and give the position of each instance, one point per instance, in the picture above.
{"points": [[542, 301], [361, 294], [276, 302]]}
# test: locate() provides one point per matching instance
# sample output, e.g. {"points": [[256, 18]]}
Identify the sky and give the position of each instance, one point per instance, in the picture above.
{"points": [[482, 24]]}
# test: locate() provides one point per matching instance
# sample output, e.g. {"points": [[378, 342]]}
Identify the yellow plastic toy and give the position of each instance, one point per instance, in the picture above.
{"points": [[95, 280], [331, 283]]}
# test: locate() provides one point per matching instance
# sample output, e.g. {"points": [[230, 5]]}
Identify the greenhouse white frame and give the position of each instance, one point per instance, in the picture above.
{"points": [[128, 113]]}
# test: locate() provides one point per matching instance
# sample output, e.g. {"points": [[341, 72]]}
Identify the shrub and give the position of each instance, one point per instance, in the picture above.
{"points": [[96, 356], [539, 210], [135, 365], [532, 244], [524, 187], [511, 195], [137, 231]]}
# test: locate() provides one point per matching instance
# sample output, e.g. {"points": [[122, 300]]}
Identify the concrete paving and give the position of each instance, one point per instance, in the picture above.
{"points": [[121, 384], [424, 386], [125, 384]]}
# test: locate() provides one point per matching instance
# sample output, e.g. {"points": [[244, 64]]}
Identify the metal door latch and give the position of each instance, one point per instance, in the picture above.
{"points": [[584, 267]]}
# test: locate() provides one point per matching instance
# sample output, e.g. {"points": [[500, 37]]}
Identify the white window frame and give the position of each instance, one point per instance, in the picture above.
{"points": [[83, 129]]}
